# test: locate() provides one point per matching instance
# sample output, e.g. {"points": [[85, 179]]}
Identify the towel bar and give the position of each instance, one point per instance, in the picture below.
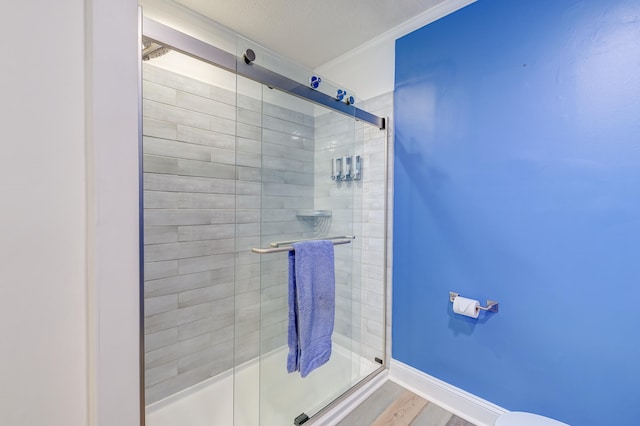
{"points": [[288, 243], [290, 248]]}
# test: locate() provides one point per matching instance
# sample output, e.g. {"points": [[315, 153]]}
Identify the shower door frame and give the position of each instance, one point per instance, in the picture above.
{"points": [[197, 49]]}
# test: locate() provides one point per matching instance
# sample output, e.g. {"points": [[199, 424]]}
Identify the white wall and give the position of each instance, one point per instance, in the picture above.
{"points": [[369, 70], [112, 215], [43, 361], [64, 361]]}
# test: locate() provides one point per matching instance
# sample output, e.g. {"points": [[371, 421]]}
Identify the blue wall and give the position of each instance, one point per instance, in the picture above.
{"points": [[517, 178]]}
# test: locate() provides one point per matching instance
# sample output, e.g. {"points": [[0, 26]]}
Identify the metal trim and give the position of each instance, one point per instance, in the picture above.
{"points": [[200, 50], [317, 417], [280, 249], [187, 45], [141, 225], [285, 84], [385, 282], [288, 243]]}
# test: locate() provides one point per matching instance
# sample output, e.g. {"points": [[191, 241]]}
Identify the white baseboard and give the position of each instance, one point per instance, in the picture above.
{"points": [[342, 410], [461, 403]]}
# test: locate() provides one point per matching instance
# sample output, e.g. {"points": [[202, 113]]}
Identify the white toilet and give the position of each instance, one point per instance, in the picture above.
{"points": [[517, 418]]}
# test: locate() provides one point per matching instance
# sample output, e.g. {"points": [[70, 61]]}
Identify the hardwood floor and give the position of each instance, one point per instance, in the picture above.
{"points": [[392, 405]]}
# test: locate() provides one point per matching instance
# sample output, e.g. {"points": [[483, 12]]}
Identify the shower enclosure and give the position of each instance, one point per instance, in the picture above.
{"points": [[238, 162]]}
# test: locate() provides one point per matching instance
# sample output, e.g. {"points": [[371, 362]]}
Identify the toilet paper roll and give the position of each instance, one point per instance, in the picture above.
{"points": [[466, 307]]}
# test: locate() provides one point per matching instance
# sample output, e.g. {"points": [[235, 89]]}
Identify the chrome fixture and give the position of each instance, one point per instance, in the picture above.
{"points": [[151, 50], [356, 166], [249, 56], [314, 81], [346, 168], [336, 168], [492, 305], [341, 95], [276, 247]]}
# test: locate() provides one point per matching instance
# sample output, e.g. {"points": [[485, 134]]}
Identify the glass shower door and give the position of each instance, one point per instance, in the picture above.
{"points": [[231, 164], [189, 165], [301, 201]]}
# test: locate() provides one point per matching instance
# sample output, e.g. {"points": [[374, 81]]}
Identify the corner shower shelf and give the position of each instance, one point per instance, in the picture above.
{"points": [[313, 213]]}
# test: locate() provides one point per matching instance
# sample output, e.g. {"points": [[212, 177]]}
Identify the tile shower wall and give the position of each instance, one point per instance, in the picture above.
{"points": [[358, 209], [205, 171], [189, 201]]}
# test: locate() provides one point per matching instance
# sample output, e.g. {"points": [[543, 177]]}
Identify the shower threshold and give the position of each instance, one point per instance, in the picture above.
{"points": [[211, 402]]}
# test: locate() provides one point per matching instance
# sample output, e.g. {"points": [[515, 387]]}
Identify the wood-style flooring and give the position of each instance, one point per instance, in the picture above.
{"points": [[393, 405]]}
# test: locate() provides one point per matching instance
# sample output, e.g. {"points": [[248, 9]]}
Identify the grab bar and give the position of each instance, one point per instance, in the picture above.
{"points": [[335, 241], [288, 243]]}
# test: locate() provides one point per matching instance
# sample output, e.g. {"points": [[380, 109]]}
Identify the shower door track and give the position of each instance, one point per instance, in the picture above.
{"points": [[191, 46]]}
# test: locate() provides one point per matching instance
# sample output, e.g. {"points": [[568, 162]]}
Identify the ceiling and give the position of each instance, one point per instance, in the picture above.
{"points": [[308, 32]]}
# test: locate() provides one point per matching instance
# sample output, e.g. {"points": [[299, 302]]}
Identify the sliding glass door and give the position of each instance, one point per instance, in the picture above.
{"points": [[305, 197], [230, 165]]}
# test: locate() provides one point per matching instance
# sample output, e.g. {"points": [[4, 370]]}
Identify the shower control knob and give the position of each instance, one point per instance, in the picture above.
{"points": [[314, 81], [341, 94], [249, 56], [350, 100]]}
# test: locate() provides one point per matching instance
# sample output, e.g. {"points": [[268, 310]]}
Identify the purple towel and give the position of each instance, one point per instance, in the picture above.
{"points": [[312, 290]]}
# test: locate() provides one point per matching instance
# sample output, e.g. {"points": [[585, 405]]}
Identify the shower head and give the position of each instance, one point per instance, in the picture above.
{"points": [[151, 50]]}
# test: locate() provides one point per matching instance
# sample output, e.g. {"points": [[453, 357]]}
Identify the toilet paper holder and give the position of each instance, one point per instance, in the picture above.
{"points": [[492, 305]]}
